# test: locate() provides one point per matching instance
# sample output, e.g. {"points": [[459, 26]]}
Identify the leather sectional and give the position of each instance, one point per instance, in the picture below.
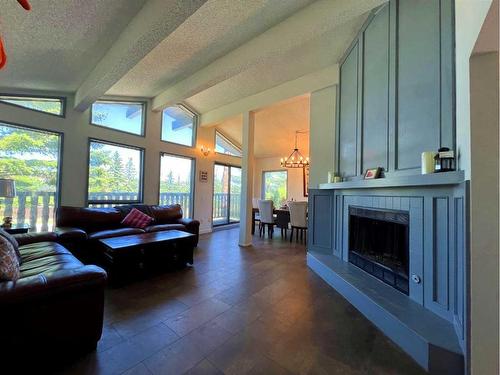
{"points": [[80, 228], [57, 304]]}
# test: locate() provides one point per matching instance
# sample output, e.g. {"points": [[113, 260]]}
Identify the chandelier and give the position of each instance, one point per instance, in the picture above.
{"points": [[296, 159]]}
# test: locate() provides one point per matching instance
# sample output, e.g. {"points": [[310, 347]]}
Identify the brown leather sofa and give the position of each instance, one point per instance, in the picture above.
{"points": [[56, 305], [80, 228]]}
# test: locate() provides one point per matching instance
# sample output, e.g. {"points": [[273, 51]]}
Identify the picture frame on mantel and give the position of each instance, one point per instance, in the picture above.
{"points": [[372, 173], [305, 180]]}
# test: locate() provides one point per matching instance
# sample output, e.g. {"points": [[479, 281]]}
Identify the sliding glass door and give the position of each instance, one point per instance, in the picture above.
{"points": [[226, 197]]}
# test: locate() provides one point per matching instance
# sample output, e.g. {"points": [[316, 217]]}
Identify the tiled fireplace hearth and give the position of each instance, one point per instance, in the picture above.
{"points": [[396, 249]]}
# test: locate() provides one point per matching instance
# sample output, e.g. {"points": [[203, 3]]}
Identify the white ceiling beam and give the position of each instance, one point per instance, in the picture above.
{"points": [[153, 23], [305, 25], [310, 82]]}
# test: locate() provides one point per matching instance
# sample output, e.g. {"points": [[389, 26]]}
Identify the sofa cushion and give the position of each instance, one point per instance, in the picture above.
{"points": [[137, 219], [126, 208], [166, 214], [43, 257], [49, 264], [88, 218], [114, 233], [9, 264], [13, 242], [162, 227], [39, 250], [32, 237]]}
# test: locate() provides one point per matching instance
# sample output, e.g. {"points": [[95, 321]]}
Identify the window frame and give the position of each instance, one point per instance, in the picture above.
{"points": [[59, 156], [193, 178], [263, 182], [195, 126], [140, 194], [143, 104], [222, 135], [62, 99]]}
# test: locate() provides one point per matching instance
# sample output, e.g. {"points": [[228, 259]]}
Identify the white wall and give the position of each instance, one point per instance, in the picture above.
{"points": [[484, 214], [322, 135], [477, 142], [469, 17], [76, 129], [295, 188]]}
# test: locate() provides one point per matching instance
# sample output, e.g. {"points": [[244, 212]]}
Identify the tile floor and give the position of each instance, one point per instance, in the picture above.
{"points": [[256, 310]]}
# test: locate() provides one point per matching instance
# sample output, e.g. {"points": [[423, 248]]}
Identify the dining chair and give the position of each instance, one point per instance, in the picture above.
{"points": [[298, 220], [282, 221], [266, 217], [255, 206]]}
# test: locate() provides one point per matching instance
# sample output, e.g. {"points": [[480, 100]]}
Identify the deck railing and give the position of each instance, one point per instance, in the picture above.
{"points": [[33, 208], [220, 206], [38, 208]]}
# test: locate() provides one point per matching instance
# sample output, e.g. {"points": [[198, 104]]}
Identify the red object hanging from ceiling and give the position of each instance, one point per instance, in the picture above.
{"points": [[25, 4], [3, 56]]}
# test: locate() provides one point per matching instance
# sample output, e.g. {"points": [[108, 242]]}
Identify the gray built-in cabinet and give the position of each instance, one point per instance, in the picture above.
{"points": [[396, 94]]}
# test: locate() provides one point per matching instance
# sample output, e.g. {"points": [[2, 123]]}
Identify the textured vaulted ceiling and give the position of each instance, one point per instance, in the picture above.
{"points": [[318, 53], [58, 43], [275, 128], [216, 28], [206, 53]]}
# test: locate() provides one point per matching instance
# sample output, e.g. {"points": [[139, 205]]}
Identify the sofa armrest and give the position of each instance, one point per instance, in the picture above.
{"points": [[69, 234], [27, 238], [193, 226], [52, 285]]}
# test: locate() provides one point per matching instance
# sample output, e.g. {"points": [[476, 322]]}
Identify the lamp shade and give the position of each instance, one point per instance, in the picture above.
{"points": [[7, 188]]}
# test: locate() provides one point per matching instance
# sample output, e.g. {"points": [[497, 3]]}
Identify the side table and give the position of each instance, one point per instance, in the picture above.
{"points": [[17, 228]]}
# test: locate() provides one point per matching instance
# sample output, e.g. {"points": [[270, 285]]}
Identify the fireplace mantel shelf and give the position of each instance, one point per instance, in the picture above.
{"points": [[434, 179]]}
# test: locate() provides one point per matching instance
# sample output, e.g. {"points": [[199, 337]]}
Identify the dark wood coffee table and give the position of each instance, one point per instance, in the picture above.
{"points": [[137, 248]]}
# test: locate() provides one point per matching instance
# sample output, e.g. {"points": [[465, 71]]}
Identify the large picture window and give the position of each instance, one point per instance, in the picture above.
{"points": [[178, 125], [274, 186], [115, 174], [31, 158], [224, 145], [127, 117], [52, 106], [176, 182]]}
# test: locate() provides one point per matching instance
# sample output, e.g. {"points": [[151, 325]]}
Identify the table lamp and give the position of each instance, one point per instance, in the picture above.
{"points": [[7, 190]]}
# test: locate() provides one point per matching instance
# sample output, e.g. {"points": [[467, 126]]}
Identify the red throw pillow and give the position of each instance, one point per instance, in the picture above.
{"points": [[137, 219]]}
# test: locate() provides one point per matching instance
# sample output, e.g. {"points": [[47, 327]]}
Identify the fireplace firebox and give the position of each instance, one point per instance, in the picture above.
{"points": [[378, 244]]}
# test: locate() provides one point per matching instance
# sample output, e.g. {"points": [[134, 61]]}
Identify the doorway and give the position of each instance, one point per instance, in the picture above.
{"points": [[226, 195]]}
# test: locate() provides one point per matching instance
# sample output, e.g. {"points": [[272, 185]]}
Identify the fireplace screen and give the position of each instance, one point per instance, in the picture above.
{"points": [[378, 244]]}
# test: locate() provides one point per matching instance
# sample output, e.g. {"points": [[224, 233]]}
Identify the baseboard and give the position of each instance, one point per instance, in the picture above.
{"points": [[206, 230]]}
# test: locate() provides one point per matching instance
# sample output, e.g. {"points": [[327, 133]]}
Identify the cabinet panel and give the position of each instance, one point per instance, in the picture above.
{"points": [[441, 252], [321, 216], [396, 96], [376, 92], [348, 113], [418, 87]]}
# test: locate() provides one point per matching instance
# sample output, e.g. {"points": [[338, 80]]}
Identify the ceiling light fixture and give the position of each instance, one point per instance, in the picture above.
{"points": [[296, 159]]}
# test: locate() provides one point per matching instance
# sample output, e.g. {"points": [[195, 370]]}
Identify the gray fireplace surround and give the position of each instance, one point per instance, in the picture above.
{"points": [[430, 323]]}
